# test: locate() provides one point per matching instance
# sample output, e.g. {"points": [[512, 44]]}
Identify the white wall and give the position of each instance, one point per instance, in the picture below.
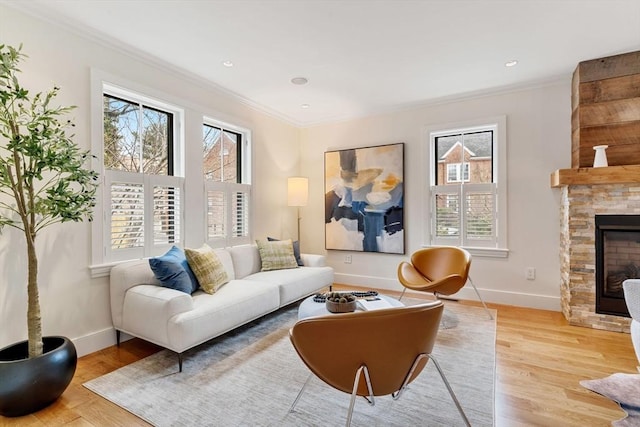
{"points": [[73, 304], [538, 142]]}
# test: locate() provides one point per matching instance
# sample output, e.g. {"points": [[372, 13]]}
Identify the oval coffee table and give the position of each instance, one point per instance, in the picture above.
{"points": [[309, 307]]}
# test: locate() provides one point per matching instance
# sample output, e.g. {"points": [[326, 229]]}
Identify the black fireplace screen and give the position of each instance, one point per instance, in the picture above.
{"points": [[617, 259]]}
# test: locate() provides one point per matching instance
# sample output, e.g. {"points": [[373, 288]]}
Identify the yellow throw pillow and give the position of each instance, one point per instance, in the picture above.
{"points": [[276, 255], [207, 268]]}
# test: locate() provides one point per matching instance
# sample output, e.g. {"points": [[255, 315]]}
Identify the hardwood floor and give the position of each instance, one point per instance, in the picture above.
{"points": [[540, 360]]}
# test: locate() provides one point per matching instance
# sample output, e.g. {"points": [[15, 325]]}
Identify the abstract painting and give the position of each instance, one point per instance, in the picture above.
{"points": [[364, 198]]}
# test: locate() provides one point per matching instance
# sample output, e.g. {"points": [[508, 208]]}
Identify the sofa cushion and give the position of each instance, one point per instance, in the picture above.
{"points": [[276, 255], [207, 268], [246, 260], [296, 249], [172, 270], [296, 283], [225, 258], [236, 303]]}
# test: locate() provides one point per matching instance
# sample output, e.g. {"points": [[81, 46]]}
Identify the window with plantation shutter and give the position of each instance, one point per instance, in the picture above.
{"points": [[227, 191], [147, 204], [467, 202], [142, 188]]}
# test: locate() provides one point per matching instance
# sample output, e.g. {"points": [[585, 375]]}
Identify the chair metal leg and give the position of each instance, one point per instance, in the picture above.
{"points": [[402, 294], [300, 392], [396, 395], [453, 395], [481, 300], [354, 393]]}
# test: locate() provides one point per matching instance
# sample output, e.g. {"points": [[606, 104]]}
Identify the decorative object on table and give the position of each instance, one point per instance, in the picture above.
{"points": [[600, 158], [338, 302], [322, 298], [43, 181], [297, 195], [623, 389], [364, 199]]}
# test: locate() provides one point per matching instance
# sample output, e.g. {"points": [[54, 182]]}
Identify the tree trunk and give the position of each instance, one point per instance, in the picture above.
{"points": [[34, 320]]}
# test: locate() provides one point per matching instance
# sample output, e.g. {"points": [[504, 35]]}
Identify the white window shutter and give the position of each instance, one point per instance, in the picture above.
{"points": [[146, 214], [446, 202], [228, 213], [479, 214], [167, 211], [464, 215]]}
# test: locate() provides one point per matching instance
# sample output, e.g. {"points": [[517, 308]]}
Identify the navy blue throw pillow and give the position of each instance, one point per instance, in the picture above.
{"points": [[173, 271]]}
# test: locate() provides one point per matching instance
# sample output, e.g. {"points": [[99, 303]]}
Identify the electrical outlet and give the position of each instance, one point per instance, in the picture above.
{"points": [[347, 259], [530, 273]]}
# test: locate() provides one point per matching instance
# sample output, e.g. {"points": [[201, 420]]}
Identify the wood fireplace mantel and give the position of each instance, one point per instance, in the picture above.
{"points": [[590, 176]]}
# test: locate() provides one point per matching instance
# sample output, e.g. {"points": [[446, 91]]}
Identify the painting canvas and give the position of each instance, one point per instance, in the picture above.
{"points": [[364, 198]]}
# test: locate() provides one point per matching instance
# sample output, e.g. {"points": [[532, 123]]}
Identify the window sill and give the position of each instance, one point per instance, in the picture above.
{"points": [[102, 270]]}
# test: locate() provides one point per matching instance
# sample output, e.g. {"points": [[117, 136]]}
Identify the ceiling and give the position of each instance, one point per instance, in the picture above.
{"points": [[360, 57]]}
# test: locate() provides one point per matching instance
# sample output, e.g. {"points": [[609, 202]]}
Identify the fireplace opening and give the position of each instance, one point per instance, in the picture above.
{"points": [[617, 259]]}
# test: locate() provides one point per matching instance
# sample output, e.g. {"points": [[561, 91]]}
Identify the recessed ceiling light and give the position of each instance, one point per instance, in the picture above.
{"points": [[228, 64], [299, 80], [305, 106], [511, 63]]}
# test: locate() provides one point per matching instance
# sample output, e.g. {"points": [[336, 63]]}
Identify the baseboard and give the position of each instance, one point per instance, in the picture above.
{"points": [[96, 341], [542, 302]]}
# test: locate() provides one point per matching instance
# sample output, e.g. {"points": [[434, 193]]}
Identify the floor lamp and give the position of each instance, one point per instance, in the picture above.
{"points": [[297, 194]]}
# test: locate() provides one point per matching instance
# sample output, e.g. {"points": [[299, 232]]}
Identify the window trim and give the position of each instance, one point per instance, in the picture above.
{"points": [[244, 160], [101, 83], [500, 177]]}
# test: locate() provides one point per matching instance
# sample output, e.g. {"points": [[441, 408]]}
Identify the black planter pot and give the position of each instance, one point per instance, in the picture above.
{"points": [[28, 385]]}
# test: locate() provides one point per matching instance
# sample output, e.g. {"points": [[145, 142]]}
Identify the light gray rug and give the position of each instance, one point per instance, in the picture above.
{"points": [[623, 389], [251, 376]]}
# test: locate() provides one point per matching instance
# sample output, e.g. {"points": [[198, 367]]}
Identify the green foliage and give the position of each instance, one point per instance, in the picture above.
{"points": [[41, 168], [43, 179]]}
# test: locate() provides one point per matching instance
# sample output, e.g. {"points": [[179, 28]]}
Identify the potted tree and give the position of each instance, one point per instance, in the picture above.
{"points": [[43, 181]]}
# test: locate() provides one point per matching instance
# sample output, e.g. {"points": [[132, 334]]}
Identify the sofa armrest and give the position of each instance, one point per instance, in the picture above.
{"points": [[313, 260], [148, 308], [123, 277]]}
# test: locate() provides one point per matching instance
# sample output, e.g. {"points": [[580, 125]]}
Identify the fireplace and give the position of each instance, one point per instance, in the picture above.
{"points": [[617, 259]]}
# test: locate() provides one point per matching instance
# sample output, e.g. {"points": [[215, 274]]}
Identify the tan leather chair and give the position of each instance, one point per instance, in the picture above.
{"points": [[363, 354], [440, 270]]}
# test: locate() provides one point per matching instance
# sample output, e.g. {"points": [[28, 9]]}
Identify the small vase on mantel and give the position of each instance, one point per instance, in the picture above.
{"points": [[600, 160]]}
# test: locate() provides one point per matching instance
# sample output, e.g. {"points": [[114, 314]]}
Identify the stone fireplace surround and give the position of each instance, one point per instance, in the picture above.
{"points": [[579, 206]]}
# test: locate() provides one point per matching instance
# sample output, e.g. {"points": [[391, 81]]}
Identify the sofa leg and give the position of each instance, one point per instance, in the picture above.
{"points": [[117, 338], [179, 362]]}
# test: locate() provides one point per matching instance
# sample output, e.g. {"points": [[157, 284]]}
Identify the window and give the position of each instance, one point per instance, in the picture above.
{"points": [[457, 172], [467, 200], [142, 193], [227, 188]]}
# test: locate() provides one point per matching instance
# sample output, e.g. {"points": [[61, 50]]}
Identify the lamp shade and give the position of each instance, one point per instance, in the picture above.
{"points": [[298, 191]]}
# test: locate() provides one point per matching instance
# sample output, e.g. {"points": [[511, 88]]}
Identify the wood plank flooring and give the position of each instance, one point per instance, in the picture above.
{"points": [[540, 360]]}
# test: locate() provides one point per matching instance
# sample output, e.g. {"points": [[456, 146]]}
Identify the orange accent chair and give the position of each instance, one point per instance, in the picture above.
{"points": [[440, 270], [362, 353]]}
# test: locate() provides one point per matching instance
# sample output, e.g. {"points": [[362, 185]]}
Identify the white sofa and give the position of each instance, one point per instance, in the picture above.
{"points": [[632, 298], [178, 321]]}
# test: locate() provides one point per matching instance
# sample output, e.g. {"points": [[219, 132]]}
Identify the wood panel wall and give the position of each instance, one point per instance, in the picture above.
{"points": [[605, 106]]}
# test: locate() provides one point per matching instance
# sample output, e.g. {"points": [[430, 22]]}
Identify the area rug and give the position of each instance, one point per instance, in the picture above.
{"points": [[623, 389], [251, 376]]}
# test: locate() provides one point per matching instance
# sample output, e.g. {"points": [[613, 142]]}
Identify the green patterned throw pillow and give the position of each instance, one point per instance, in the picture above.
{"points": [[207, 268], [276, 255]]}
